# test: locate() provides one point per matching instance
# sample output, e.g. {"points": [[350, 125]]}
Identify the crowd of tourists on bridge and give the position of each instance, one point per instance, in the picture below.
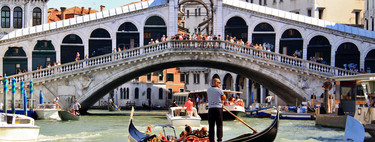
{"points": [[210, 37]]}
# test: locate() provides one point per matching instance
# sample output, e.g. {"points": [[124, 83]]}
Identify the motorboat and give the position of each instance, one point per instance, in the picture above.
{"points": [[47, 112], [234, 106], [177, 117], [260, 112], [15, 127]]}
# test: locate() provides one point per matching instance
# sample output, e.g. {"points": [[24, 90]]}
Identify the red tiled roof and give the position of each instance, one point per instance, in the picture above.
{"points": [[55, 15]]}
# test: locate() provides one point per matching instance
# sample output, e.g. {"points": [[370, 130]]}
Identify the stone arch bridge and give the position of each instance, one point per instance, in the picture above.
{"points": [[89, 80]]}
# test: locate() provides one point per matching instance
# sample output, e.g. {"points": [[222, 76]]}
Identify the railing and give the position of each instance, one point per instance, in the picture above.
{"points": [[177, 44]]}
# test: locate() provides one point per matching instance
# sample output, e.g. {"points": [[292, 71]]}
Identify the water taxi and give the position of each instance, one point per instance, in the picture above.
{"points": [[354, 95], [177, 116], [14, 127], [235, 106]]}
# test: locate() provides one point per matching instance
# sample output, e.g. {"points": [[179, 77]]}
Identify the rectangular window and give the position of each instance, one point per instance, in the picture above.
{"points": [[187, 13], [265, 2], [187, 79], [149, 77], [196, 12], [251, 1], [136, 93], [170, 92], [309, 12], [170, 77], [206, 78], [321, 13], [196, 78], [182, 77], [182, 89], [260, 2], [161, 76], [357, 17], [199, 11]]}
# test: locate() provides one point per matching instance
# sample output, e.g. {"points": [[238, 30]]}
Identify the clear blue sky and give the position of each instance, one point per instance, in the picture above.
{"points": [[94, 4]]}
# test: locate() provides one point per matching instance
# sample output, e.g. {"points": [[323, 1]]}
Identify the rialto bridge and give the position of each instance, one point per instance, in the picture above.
{"points": [[132, 26]]}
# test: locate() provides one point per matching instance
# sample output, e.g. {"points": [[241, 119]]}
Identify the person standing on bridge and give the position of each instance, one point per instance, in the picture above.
{"points": [[215, 110]]}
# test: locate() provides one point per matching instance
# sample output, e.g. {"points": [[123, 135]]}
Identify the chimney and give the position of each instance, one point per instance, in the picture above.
{"points": [[82, 10], [102, 7], [63, 13], [89, 10]]}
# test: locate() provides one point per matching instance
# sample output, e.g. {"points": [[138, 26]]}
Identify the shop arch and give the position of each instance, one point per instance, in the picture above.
{"points": [[127, 36], [100, 43], [70, 46], [14, 61], [319, 50], [347, 56], [154, 29], [264, 34], [236, 27], [291, 42]]}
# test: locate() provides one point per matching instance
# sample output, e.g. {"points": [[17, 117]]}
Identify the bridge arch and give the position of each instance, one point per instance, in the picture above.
{"points": [[100, 43], [347, 54], [274, 81]]}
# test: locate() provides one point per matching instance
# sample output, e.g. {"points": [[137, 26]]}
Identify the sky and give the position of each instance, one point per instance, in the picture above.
{"points": [[94, 4]]}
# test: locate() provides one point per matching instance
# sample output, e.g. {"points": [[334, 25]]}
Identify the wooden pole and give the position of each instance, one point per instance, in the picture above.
{"points": [[239, 119]]}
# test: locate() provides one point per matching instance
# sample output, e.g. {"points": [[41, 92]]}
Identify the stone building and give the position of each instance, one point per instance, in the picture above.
{"points": [[157, 86], [350, 12], [18, 14]]}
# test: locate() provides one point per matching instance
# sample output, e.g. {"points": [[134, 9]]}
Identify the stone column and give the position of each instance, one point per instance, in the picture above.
{"points": [[27, 15], [172, 18], [218, 19]]}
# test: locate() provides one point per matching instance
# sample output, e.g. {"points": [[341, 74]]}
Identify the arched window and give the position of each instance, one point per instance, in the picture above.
{"points": [[17, 17], [160, 93], [136, 93], [37, 16], [5, 17]]}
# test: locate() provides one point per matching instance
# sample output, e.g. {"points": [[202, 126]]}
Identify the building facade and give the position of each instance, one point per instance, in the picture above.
{"points": [[350, 12], [157, 87], [18, 14]]}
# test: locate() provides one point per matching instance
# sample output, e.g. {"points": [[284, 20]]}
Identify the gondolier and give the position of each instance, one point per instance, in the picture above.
{"points": [[215, 110]]}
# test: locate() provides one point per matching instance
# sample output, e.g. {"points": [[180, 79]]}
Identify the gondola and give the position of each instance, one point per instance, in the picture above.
{"points": [[66, 116], [267, 135]]}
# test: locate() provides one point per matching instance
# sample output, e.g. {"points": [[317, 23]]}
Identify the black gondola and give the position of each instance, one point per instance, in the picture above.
{"points": [[267, 135]]}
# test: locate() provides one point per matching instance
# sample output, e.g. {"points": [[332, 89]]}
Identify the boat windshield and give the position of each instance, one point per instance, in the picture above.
{"points": [[20, 120]]}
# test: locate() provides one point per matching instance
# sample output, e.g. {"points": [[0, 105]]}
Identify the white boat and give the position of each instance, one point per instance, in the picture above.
{"points": [[47, 112], [177, 117], [233, 106], [15, 127]]}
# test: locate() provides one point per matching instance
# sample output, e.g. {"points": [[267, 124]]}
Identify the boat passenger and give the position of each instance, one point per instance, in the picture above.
{"points": [[182, 137], [189, 106]]}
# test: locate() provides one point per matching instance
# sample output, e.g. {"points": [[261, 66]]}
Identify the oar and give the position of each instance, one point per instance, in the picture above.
{"points": [[239, 119]]}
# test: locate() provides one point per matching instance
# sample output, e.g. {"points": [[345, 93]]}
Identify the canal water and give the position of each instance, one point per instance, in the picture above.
{"points": [[114, 129]]}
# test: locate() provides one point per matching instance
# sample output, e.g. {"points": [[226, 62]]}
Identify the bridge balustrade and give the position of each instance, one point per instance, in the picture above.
{"points": [[184, 44]]}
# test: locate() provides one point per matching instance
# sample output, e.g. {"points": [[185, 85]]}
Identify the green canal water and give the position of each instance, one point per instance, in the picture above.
{"points": [[114, 129]]}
